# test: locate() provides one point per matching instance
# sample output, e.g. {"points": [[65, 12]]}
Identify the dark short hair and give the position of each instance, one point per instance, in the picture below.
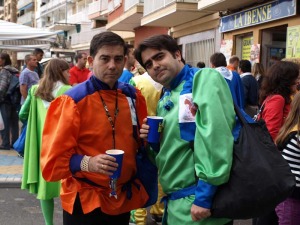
{"points": [[4, 56], [245, 66], [200, 64], [233, 59], [79, 56], [128, 47], [218, 59], [37, 51], [106, 38], [158, 42]]}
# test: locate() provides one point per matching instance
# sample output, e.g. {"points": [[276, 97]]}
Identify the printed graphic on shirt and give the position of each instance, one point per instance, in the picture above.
{"points": [[132, 111], [187, 109]]}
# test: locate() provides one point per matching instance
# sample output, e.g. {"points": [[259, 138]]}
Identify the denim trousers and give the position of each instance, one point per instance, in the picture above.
{"points": [[288, 212], [11, 124]]}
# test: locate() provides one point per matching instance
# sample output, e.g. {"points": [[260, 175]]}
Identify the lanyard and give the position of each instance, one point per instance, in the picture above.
{"points": [[111, 121]]}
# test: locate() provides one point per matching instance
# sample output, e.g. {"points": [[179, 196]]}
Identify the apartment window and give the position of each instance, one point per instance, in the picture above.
{"points": [[1, 2]]}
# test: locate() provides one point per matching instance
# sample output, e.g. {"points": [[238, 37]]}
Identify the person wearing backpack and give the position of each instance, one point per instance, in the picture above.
{"points": [[195, 152], [8, 110]]}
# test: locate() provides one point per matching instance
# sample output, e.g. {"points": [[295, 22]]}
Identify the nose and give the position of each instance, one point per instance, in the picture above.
{"points": [[111, 64], [155, 64]]}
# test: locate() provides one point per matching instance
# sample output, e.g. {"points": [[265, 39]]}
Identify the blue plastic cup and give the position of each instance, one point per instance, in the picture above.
{"points": [[118, 154], [156, 124]]}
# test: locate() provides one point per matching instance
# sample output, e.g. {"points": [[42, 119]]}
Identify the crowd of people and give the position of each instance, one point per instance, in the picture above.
{"points": [[74, 115]]}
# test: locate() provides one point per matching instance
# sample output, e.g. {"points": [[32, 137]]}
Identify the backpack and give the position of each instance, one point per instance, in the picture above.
{"points": [[13, 94]]}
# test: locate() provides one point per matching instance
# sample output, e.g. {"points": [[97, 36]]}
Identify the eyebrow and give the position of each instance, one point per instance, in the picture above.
{"points": [[111, 56], [153, 57]]}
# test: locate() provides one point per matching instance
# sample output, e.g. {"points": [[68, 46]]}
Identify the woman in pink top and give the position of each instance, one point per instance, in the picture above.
{"points": [[279, 84]]}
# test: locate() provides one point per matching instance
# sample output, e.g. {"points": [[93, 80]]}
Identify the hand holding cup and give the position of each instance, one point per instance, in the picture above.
{"points": [[155, 128], [118, 155]]}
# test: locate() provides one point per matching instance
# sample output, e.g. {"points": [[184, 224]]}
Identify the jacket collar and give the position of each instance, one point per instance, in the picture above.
{"points": [[101, 85]]}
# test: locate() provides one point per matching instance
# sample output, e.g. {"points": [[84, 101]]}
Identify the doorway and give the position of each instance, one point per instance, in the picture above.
{"points": [[273, 45]]}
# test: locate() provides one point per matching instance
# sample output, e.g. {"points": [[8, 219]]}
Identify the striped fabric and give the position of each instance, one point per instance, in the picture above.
{"points": [[291, 153]]}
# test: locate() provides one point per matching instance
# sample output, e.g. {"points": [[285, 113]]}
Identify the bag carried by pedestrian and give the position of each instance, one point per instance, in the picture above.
{"points": [[13, 93], [260, 177], [19, 145]]}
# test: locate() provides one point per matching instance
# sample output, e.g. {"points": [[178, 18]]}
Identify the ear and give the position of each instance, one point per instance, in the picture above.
{"points": [[178, 55], [125, 59], [90, 60]]}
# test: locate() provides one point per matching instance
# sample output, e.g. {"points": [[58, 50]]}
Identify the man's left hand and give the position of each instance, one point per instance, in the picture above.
{"points": [[199, 213]]}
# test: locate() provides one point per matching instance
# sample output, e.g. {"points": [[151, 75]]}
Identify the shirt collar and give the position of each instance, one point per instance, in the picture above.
{"points": [[245, 74], [101, 85], [180, 77]]}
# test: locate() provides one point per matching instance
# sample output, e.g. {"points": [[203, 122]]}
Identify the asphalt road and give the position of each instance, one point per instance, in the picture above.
{"points": [[18, 207]]}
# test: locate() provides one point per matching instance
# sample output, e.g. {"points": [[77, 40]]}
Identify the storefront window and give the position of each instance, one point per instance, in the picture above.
{"points": [[243, 45]]}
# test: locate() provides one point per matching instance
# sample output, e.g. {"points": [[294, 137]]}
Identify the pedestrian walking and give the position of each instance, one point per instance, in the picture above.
{"points": [[79, 73], [33, 112], [8, 110], [278, 86]]}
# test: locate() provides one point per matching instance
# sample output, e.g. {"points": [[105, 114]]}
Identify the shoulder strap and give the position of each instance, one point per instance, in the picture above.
{"points": [[138, 139]]}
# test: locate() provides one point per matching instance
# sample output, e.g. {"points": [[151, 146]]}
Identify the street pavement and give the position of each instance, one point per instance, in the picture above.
{"points": [[18, 207]]}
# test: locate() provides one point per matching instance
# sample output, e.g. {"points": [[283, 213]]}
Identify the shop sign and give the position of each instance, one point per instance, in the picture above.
{"points": [[261, 14], [293, 42], [246, 47]]}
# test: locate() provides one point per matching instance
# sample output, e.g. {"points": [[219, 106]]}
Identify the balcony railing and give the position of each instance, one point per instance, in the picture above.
{"points": [[81, 38], [151, 6], [50, 6], [27, 17], [130, 3], [79, 17], [98, 6], [113, 5], [22, 3]]}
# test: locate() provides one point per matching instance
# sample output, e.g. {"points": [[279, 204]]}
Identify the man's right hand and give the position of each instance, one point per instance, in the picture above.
{"points": [[144, 129], [103, 163]]}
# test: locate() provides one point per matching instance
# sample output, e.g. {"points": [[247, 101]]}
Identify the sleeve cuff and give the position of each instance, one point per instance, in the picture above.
{"points": [[75, 163], [204, 194]]}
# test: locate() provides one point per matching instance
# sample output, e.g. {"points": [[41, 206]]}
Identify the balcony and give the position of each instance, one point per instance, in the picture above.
{"points": [[222, 5], [24, 3], [130, 19], [79, 17], [84, 37], [26, 18], [170, 13], [98, 10], [51, 6]]}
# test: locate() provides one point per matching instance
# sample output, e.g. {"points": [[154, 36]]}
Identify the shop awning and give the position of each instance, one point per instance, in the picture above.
{"points": [[19, 37]]}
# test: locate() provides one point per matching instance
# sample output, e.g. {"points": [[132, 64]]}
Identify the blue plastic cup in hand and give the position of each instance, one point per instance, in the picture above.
{"points": [[155, 124], [118, 154]]}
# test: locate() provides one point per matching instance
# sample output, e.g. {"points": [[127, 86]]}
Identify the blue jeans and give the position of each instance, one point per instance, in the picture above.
{"points": [[11, 125]]}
